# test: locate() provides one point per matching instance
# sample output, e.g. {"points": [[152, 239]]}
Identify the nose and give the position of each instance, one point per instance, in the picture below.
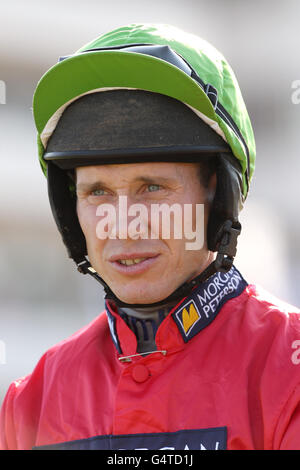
{"points": [[124, 219]]}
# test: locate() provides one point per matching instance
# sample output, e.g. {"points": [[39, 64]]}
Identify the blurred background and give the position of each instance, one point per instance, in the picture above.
{"points": [[43, 299]]}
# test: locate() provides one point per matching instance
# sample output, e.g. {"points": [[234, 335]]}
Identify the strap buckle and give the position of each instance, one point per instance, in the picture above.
{"points": [[227, 246], [83, 266]]}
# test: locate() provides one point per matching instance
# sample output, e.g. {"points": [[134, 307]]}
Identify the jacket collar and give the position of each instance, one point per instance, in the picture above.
{"points": [[190, 316]]}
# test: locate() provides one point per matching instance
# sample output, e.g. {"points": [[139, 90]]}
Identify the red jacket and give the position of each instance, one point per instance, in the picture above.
{"points": [[225, 375]]}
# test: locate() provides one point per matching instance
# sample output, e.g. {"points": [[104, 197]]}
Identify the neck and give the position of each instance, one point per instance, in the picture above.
{"points": [[144, 322]]}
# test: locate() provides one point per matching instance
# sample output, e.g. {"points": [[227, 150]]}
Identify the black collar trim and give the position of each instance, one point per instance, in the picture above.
{"points": [[198, 310]]}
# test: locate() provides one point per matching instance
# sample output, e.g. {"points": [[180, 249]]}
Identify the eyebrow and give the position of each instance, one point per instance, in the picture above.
{"points": [[142, 179]]}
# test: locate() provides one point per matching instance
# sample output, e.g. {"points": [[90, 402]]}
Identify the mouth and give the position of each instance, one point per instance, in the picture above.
{"points": [[134, 263], [130, 262]]}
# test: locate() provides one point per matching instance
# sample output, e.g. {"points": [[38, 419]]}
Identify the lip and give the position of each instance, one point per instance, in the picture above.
{"points": [[132, 255], [134, 268]]}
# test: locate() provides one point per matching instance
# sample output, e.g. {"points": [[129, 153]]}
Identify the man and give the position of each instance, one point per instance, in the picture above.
{"points": [[187, 355]]}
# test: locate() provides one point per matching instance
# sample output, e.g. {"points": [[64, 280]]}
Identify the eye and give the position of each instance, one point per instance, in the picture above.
{"points": [[98, 192], [153, 187]]}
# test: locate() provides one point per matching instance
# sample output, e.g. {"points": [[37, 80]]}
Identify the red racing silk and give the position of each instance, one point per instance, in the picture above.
{"points": [[225, 375]]}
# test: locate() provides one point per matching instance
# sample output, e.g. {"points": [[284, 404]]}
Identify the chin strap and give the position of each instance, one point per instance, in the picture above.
{"points": [[223, 262]]}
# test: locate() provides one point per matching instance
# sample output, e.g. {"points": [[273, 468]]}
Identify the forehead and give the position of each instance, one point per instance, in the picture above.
{"points": [[130, 172]]}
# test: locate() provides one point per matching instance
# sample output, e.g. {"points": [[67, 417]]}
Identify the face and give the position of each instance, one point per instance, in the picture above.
{"points": [[147, 264]]}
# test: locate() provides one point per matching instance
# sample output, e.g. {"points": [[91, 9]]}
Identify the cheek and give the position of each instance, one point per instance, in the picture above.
{"points": [[87, 219], [181, 264]]}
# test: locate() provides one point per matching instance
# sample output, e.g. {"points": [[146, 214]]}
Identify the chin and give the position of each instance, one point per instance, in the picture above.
{"points": [[140, 295]]}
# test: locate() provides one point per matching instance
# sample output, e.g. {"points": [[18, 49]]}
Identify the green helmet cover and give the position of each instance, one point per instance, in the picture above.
{"points": [[96, 70]]}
